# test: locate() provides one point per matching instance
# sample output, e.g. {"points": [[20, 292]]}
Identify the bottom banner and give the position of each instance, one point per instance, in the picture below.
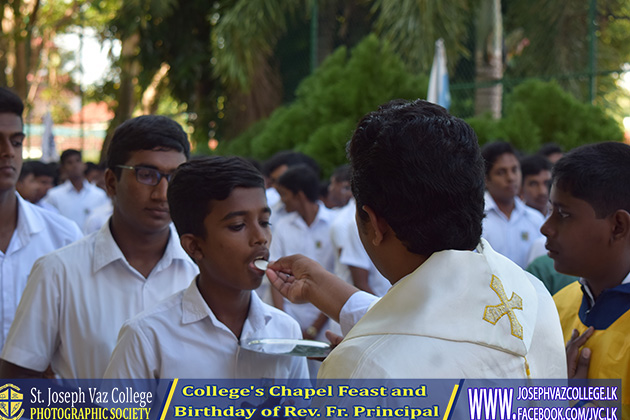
{"points": [[339, 399]]}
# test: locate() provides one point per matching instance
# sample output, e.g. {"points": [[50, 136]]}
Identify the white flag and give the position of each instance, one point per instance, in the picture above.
{"points": [[49, 150], [438, 81]]}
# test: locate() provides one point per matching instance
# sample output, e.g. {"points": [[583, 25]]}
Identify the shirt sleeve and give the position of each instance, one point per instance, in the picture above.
{"points": [[133, 357], [276, 248], [352, 253], [354, 308], [51, 198], [34, 334]]}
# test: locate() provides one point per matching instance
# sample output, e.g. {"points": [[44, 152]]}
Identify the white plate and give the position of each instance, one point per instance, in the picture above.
{"points": [[288, 346]]}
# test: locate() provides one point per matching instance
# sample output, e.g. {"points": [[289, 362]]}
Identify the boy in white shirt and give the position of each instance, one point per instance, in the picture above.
{"points": [[219, 207], [26, 231], [306, 231], [77, 297]]}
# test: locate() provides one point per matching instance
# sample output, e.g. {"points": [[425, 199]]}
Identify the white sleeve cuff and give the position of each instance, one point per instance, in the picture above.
{"points": [[354, 308]]}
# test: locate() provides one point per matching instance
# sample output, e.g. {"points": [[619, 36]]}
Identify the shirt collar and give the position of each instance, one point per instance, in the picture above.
{"points": [[29, 222], [323, 215], [490, 204], [173, 251], [589, 294], [28, 218], [70, 187], [195, 308], [106, 249]]}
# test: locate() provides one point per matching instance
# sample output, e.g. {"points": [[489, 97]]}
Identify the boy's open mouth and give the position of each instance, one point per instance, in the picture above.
{"points": [[260, 263]]}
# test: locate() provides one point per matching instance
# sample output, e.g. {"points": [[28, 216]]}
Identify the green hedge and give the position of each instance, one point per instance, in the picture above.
{"points": [[539, 112], [329, 104]]}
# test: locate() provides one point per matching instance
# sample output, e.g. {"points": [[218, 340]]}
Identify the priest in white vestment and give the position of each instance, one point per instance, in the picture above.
{"points": [[457, 308]]}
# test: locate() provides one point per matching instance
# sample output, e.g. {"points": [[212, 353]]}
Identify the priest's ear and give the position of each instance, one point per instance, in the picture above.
{"points": [[375, 226]]}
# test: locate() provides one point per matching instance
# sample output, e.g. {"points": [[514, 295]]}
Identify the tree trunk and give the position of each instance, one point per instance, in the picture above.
{"points": [[327, 27], [151, 94], [4, 46], [129, 71], [489, 59], [247, 108]]}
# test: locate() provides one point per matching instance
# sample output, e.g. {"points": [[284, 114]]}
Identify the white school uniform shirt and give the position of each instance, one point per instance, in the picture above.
{"points": [[278, 212], [37, 233], [293, 236], [76, 205], [182, 338], [98, 218], [272, 196], [78, 297], [47, 206], [338, 235], [353, 254], [349, 250], [511, 237], [537, 250], [448, 319]]}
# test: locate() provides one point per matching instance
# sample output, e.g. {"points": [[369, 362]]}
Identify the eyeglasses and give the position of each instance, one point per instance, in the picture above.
{"points": [[147, 176]]}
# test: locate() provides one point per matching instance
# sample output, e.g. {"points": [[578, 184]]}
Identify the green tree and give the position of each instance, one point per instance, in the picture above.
{"points": [[559, 44], [247, 35], [28, 56], [542, 112], [131, 24], [329, 104]]}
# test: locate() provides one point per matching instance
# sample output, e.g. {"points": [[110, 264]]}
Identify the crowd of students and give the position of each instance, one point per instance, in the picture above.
{"points": [[418, 263]]}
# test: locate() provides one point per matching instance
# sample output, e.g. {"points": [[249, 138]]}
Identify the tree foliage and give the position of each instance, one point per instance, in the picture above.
{"points": [[246, 35], [413, 26], [330, 102], [559, 43], [542, 112]]}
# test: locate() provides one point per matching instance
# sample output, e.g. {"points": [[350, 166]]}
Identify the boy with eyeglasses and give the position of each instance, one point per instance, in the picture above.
{"points": [[78, 297]]}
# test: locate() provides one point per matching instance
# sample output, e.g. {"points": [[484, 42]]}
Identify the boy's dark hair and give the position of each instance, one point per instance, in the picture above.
{"points": [[197, 183], [91, 166], [42, 169], [533, 165], [420, 169], [491, 152], [301, 178], [10, 103], [53, 168], [323, 189], [66, 154], [255, 163], [289, 158], [549, 149], [342, 173], [27, 169], [147, 132], [596, 173], [37, 168]]}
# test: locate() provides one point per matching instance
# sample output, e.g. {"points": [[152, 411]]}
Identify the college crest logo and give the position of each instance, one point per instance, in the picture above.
{"points": [[10, 402]]}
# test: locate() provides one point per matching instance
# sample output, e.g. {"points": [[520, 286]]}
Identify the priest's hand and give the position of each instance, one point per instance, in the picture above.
{"points": [[293, 276], [300, 279]]}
